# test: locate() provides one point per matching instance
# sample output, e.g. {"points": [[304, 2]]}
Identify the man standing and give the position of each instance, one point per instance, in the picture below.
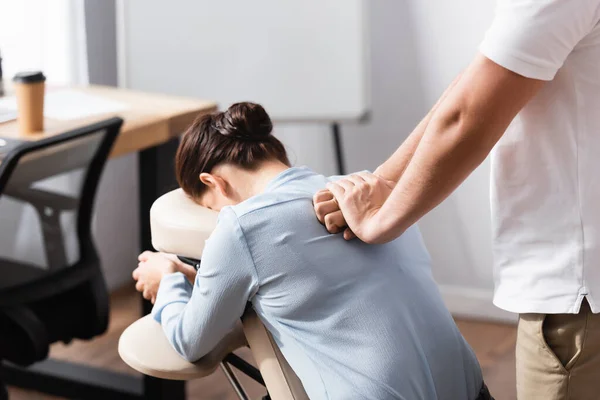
{"points": [[532, 94]]}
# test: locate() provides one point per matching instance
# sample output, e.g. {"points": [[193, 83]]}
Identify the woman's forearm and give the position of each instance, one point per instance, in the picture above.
{"points": [[187, 270]]}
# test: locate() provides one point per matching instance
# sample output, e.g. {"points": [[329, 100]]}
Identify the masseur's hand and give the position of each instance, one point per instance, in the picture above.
{"points": [[329, 213], [360, 196], [151, 269]]}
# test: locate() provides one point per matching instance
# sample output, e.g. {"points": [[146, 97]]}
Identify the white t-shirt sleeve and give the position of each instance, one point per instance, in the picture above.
{"points": [[534, 37]]}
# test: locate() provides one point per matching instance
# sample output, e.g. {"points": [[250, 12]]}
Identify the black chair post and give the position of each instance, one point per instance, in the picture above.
{"points": [[3, 389]]}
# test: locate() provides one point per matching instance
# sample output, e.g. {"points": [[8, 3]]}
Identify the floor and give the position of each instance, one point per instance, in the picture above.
{"points": [[493, 343]]}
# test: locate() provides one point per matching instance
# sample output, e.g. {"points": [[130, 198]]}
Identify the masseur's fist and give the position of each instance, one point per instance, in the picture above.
{"points": [[329, 213], [360, 197], [151, 269]]}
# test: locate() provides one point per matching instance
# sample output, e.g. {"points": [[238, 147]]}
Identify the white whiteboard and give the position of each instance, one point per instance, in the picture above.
{"points": [[301, 59]]}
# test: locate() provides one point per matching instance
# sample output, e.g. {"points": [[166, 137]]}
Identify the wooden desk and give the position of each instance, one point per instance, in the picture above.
{"points": [[150, 120], [151, 126]]}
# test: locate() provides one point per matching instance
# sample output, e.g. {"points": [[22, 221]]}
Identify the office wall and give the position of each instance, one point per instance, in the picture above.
{"points": [[458, 233], [417, 47]]}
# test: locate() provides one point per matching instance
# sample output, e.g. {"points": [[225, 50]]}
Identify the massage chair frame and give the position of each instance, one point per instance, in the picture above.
{"points": [[180, 226]]}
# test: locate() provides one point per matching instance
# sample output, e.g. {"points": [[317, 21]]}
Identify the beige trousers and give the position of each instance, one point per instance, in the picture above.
{"points": [[558, 356]]}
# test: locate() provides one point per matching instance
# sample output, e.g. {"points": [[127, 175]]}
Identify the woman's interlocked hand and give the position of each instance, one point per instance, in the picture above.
{"points": [[151, 269]]}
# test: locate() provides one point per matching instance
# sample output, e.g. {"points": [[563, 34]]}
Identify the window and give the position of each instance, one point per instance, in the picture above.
{"points": [[44, 35]]}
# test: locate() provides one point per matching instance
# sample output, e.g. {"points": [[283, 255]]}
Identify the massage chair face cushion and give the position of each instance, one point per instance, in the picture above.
{"points": [[180, 226]]}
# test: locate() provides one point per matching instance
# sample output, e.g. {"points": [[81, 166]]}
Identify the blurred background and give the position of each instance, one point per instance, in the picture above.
{"points": [[375, 67]]}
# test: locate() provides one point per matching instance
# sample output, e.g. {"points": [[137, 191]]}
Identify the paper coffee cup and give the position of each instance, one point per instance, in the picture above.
{"points": [[29, 89]]}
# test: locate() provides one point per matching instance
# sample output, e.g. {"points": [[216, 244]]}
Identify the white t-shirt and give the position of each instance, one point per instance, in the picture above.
{"points": [[545, 191]]}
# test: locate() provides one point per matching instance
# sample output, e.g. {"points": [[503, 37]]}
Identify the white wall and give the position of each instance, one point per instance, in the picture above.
{"points": [[458, 233]]}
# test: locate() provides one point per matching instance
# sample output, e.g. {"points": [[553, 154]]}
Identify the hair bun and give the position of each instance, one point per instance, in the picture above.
{"points": [[246, 121]]}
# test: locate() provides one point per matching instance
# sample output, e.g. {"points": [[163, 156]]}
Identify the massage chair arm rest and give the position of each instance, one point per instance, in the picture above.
{"points": [[163, 361]]}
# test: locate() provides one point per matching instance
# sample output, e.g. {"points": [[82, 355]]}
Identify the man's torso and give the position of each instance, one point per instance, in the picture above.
{"points": [[545, 192]]}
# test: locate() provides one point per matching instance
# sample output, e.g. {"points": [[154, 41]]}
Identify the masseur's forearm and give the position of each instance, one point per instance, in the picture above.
{"points": [[447, 154], [393, 168], [459, 136]]}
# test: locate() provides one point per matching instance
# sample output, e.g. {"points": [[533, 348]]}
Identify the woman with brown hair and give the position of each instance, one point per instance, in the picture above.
{"points": [[353, 321]]}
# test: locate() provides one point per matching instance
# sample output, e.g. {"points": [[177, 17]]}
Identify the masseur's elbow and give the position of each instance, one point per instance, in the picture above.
{"points": [[461, 128], [450, 123]]}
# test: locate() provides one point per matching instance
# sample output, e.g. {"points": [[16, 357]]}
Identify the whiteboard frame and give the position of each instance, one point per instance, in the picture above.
{"points": [[121, 44]]}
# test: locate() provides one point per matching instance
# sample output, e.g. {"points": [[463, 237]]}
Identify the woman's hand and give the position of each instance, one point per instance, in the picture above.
{"points": [[151, 269], [359, 198]]}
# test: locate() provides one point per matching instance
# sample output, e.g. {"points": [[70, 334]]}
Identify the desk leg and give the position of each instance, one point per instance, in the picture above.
{"points": [[156, 176]]}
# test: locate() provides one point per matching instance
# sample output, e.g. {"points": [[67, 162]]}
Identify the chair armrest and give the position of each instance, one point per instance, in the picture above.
{"points": [[144, 347], [40, 198]]}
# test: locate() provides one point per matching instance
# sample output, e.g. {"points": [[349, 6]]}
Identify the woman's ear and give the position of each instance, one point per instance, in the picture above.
{"points": [[214, 182]]}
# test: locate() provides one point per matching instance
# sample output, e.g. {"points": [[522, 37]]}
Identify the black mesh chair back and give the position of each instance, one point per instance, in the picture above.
{"points": [[51, 285]]}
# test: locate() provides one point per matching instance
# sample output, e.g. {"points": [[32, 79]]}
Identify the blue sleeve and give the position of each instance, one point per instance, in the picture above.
{"points": [[194, 319]]}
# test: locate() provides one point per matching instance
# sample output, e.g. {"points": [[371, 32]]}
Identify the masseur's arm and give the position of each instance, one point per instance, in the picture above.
{"points": [[394, 167], [460, 134], [326, 207], [196, 317]]}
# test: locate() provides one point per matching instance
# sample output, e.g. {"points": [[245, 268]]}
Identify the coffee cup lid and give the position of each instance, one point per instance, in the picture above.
{"points": [[29, 77]]}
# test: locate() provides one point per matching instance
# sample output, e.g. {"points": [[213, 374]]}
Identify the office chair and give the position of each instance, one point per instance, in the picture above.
{"points": [[180, 226], [51, 285]]}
